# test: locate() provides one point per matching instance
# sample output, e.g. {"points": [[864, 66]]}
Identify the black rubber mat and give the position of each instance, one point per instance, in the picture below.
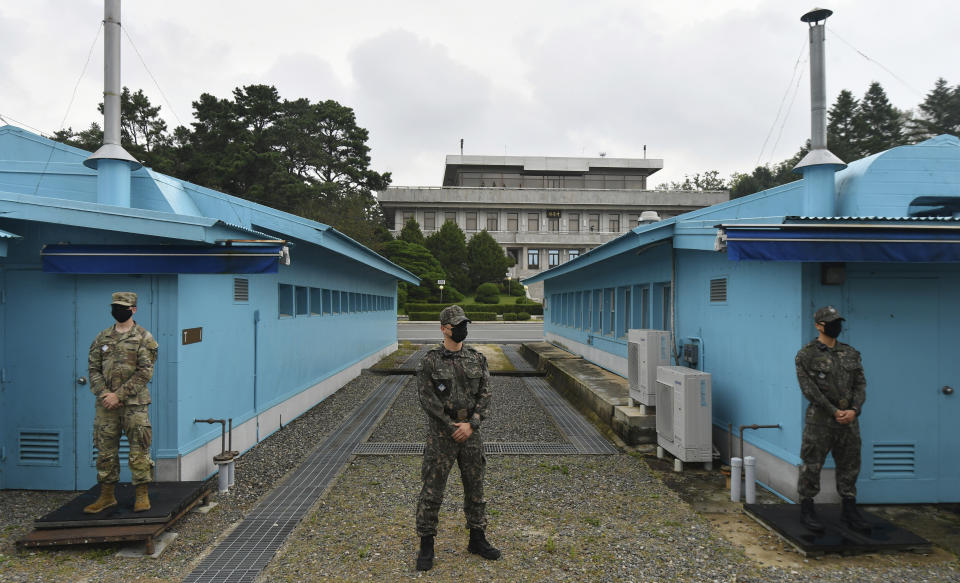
{"points": [[837, 537], [166, 500]]}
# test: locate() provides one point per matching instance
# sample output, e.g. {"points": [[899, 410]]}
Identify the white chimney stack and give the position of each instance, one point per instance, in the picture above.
{"points": [[112, 163]]}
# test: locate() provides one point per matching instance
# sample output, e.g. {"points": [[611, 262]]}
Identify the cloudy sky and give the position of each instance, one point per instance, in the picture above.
{"points": [[698, 82]]}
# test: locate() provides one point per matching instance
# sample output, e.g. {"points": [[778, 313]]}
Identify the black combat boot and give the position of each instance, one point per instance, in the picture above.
{"points": [[479, 545], [851, 516], [425, 558], [808, 516]]}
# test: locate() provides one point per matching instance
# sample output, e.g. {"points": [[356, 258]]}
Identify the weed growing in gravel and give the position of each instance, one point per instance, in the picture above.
{"points": [[551, 545], [562, 468], [493, 512], [592, 520], [99, 555], [363, 551]]}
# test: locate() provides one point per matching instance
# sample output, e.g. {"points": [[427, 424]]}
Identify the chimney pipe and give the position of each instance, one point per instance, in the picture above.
{"points": [[819, 165], [112, 163]]}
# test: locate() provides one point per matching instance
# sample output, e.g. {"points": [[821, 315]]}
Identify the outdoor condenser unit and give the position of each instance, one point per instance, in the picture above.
{"points": [[684, 413], [646, 350]]}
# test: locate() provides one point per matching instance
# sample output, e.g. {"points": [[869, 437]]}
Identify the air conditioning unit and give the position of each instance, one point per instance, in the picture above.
{"points": [[684, 413], [646, 350]]}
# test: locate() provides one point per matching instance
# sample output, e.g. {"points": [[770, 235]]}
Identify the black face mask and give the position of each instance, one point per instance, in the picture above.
{"points": [[459, 332], [120, 313], [833, 329]]}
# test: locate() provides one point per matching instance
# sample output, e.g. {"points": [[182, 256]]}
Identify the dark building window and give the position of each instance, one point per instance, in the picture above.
{"points": [[450, 216], [573, 222], [285, 300], [633, 220], [533, 258], [553, 257], [594, 220], [471, 220], [407, 215], [573, 254], [492, 221], [614, 224], [316, 301], [512, 223], [429, 221], [553, 224], [533, 221]]}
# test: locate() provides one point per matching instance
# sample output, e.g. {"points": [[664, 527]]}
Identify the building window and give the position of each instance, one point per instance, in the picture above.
{"points": [[553, 224], [626, 312], [612, 310], [597, 309], [594, 220], [533, 221], [450, 217], [572, 254], [513, 224], [533, 259], [573, 222], [429, 221], [326, 302], [633, 220], [645, 307], [666, 307], [614, 223], [471, 220], [578, 309], [316, 301], [285, 300], [492, 221], [553, 257], [586, 310], [407, 217]]}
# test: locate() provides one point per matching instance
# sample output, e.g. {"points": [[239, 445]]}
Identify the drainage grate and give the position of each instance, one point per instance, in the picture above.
{"points": [[577, 430], [519, 362], [491, 448], [248, 549]]}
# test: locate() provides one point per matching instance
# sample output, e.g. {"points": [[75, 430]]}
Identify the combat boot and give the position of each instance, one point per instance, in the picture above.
{"points": [[479, 545], [106, 499], [851, 516], [143, 498], [425, 557], [808, 516]]}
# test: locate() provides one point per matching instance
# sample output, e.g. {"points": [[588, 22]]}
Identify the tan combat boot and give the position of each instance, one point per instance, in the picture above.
{"points": [[106, 500], [143, 500]]}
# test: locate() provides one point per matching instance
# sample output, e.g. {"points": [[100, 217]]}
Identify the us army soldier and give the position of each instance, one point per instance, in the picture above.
{"points": [[121, 364], [831, 377], [452, 383]]}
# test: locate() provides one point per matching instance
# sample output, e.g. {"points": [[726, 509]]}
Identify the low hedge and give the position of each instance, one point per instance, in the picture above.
{"points": [[510, 317], [535, 309], [521, 316], [476, 316]]}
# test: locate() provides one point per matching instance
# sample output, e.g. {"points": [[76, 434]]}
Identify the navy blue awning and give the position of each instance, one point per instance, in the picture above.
{"points": [[843, 244], [160, 259]]}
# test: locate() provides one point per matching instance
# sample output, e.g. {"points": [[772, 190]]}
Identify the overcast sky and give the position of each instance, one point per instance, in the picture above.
{"points": [[699, 82]]}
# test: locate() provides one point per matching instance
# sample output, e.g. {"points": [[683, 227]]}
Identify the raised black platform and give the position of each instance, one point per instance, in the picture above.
{"points": [[784, 519], [167, 499]]}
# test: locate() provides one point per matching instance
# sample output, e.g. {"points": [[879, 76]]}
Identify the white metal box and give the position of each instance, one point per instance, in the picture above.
{"points": [[684, 413], [646, 350]]}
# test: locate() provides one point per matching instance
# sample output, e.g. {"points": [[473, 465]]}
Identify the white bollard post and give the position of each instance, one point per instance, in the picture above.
{"points": [[230, 472], [223, 479], [750, 479], [736, 465]]}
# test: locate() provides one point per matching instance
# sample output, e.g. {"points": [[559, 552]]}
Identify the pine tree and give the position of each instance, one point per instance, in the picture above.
{"points": [[843, 131], [486, 260], [449, 246], [939, 113], [880, 123], [411, 233]]}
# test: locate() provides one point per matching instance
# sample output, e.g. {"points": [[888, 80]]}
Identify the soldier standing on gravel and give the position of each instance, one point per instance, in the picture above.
{"points": [[452, 383], [121, 364], [831, 378]]}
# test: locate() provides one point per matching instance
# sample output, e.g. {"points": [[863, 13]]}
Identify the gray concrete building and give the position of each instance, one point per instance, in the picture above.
{"points": [[544, 211]]}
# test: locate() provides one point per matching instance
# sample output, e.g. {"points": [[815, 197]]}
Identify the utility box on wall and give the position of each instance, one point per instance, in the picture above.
{"points": [[646, 350], [684, 408]]}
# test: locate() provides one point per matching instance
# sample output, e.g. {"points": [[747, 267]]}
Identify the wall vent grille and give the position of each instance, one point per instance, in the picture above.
{"points": [[241, 289], [718, 289], [894, 460], [39, 447]]}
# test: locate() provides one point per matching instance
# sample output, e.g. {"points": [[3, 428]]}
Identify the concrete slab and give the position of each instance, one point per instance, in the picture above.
{"points": [[584, 383], [539, 353], [634, 425], [139, 551]]}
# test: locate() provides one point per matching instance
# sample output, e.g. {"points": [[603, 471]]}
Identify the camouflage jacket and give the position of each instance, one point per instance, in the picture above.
{"points": [[831, 379], [122, 363], [453, 388]]}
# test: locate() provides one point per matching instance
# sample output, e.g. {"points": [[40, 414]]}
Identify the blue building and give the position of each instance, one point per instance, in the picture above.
{"points": [[741, 280], [259, 314]]}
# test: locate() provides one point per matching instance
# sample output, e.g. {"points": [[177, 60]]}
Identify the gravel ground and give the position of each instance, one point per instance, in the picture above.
{"points": [[515, 415], [257, 472]]}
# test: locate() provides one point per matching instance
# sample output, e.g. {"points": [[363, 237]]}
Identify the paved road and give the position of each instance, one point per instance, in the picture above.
{"points": [[503, 332]]}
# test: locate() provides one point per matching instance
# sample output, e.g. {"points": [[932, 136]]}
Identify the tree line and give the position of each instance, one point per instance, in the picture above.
{"points": [[856, 128]]}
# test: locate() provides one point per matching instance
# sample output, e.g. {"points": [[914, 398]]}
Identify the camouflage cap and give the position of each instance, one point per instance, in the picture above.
{"points": [[124, 298], [827, 314], [453, 315]]}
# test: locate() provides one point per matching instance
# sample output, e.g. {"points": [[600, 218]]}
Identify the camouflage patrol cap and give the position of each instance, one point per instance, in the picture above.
{"points": [[453, 315], [124, 298], [827, 314]]}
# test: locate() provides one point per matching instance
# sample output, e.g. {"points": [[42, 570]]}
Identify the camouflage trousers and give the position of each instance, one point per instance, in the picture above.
{"points": [[438, 456], [844, 442], [108, 426]]}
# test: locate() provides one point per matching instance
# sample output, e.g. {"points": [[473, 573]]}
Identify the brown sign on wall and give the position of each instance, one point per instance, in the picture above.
{"points": [[192, 335]]}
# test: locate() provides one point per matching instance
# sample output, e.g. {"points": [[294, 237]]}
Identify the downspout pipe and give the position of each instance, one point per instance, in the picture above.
{"points": [[113, 164], [819, 165]]}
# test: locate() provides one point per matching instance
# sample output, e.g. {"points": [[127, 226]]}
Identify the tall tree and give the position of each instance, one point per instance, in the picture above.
{"points": [[411, 233], [419, 261], [939, 113], [449, 246], [844, 130], [881, 122], [486, 260], [709, 180], [768, 176]]}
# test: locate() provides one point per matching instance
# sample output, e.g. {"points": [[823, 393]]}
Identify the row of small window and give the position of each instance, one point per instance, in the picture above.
{"points": [[553, 257], [298, 300], [573, 225], [517, 180], [613, 311]]}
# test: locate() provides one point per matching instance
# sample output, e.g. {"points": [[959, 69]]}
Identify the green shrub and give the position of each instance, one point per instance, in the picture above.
{"points": [[523, 316], [531, 308], [509, 317], [479, 316], [488, 293], [424, 316], [450, 294]]}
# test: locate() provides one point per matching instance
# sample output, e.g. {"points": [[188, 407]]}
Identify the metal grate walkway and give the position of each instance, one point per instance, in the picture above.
{"points": [[519, 362], [491, 448], [247, 550], [578, 431]]}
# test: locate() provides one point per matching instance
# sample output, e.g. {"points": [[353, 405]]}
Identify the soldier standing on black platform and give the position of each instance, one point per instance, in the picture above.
{"points": [[831, 378], [452, 383]]}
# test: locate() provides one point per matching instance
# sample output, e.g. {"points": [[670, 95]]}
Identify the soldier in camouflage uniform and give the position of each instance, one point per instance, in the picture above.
{"points": [[121, 364], [831, 377], [452, 383]]}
